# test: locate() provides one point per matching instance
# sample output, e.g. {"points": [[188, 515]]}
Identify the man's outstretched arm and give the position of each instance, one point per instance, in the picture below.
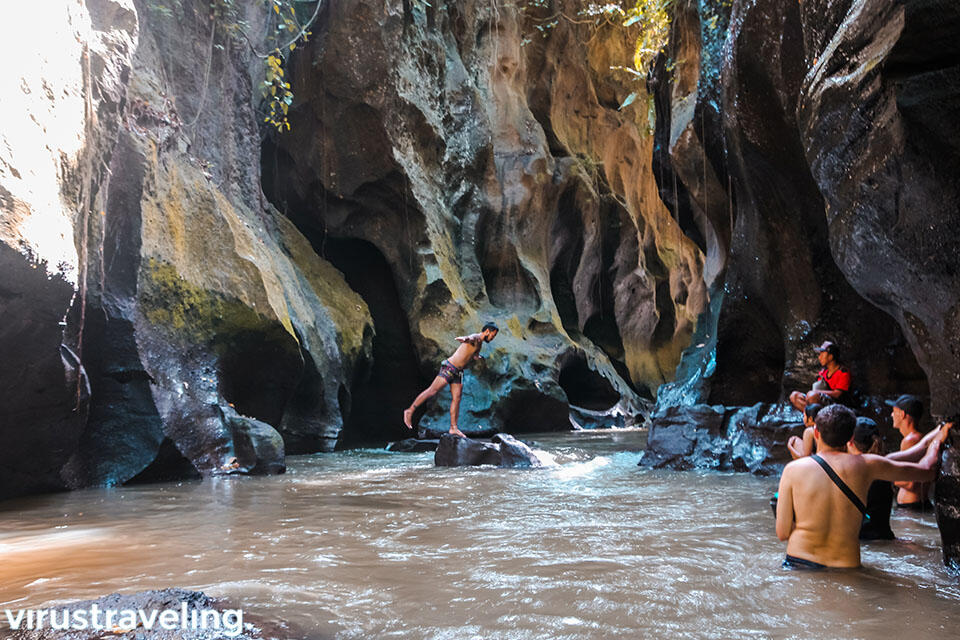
{"points": [[893, 470], [917, 451]]}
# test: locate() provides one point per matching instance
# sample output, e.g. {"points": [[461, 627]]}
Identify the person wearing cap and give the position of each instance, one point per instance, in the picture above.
{"points": [[833, 381], [451, 372], [906, 413], [820, 505], [876, 521]]}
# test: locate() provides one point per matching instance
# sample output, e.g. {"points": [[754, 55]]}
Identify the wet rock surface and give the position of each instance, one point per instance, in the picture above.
{"points": [[751, 439], [202, 332], [49, 177], [947, 499], [527, 206], [503, 450], [884, 156], [816, 185], [414, 445]]}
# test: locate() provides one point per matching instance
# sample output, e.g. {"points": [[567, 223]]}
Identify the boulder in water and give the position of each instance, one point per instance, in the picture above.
{"points": [[514, 453], [724, 438], [503, 451], [457, 451], [259, 447]]}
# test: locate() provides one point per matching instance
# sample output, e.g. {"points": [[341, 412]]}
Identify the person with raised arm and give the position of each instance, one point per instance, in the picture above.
{"points": [[906, 412], [821, 497], [451, 372]]}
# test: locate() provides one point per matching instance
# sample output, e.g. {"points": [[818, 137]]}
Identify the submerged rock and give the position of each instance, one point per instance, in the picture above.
{"points": [[503, 451]]}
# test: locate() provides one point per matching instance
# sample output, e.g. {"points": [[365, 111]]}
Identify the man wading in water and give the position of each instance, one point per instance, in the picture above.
{"points": [[451, 372], [821, 497]]}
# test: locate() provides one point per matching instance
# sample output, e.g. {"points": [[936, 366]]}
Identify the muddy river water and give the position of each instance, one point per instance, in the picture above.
{"points": [[370, 544]]}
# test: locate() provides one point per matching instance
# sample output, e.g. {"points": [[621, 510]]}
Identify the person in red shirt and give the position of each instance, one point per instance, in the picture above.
{"points": [[833, 381]]}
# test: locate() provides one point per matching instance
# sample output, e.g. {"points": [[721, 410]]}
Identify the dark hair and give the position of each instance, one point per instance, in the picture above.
{"points": [[836, 424], [866, 436], [812, 409], [492, 326]]}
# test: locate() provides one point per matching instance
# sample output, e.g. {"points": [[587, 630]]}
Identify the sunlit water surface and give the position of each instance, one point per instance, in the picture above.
{"points": [[370, 544]]}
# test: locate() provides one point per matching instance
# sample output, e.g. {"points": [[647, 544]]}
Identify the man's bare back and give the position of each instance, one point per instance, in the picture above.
{"points": [[825, 523], [820, 523]]}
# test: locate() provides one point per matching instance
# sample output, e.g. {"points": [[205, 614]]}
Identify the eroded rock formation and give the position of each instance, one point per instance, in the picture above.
{"points": [[488, 180], [202, 333], [61, 105], [440, 175], [821, 127]]}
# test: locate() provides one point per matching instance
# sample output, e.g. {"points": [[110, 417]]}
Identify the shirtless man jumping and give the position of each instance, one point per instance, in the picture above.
{"points": [[451, 372], [817, 514]]}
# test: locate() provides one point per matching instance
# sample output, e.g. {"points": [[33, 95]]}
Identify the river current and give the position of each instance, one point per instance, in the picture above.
{"points": [[371, 544]]}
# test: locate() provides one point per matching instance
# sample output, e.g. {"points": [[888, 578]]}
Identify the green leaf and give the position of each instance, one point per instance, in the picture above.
{"points": [[631, 20], [628, 101]]}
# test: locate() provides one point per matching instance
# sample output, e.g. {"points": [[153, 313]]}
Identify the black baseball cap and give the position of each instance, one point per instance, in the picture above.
{"points": [[910, 405], [829, 347]]}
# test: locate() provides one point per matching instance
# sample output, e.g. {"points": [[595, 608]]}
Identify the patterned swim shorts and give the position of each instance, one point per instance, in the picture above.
{"points": [[450, 373]]}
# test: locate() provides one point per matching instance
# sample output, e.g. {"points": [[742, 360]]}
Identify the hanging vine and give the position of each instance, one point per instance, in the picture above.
{"points": [[274, 88], [288, 25]]}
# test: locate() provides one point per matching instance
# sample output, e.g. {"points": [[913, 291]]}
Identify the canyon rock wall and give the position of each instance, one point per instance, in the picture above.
{"points": [[161, 319], [457, 174], [165, 320], [823, 128], [62, 106]]}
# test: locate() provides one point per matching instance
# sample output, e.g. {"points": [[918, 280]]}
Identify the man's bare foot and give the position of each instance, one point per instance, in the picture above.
{"points": [[408, 417], [455, 431]]}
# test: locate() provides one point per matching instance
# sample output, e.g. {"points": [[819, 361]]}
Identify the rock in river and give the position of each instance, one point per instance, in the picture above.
{"points": [[503, 451], [723, 438]]}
